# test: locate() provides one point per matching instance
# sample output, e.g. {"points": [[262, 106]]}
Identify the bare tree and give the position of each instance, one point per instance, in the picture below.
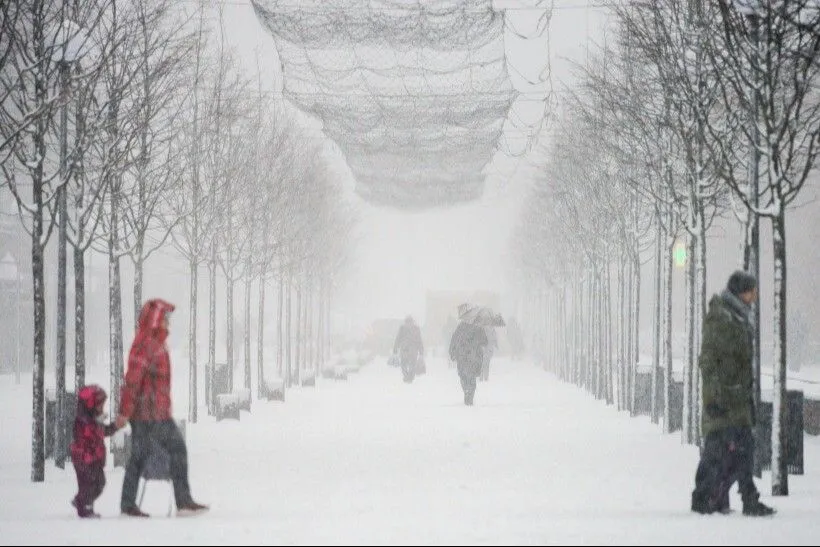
{"points": [[770, 66], [164, 47], [37, 39]]}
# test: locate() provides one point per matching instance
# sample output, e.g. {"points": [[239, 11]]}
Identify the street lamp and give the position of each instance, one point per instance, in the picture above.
{"points": [[69, 43], [750, 9]]}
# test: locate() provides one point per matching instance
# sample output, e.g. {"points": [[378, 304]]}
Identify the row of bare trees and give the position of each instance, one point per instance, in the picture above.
{"points": [[135, 132], [698, 110]]}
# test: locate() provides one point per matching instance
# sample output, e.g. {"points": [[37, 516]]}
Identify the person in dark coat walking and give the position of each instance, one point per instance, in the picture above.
{"points": [[88, 448], [728, 406], [467, 350], [410, 348], [146, 403], [489, 349], [516, 339]]}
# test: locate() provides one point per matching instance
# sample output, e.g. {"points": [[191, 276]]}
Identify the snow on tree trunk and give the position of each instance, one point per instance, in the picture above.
{"points": [[780, 475]]}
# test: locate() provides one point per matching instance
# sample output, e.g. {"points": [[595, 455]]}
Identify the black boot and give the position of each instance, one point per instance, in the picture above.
{"points": [[757, 508], [700, 504], [721, 505]]}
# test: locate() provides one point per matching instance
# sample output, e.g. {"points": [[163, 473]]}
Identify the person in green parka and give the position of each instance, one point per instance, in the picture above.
{"points": [[728, 402]]}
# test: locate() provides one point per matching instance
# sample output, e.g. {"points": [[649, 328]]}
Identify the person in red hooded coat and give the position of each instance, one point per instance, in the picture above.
{"points": [[146, 404], [88, 448]]}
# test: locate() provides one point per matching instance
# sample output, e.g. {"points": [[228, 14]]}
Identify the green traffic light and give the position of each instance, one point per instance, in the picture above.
{"points": [[680, 254]]}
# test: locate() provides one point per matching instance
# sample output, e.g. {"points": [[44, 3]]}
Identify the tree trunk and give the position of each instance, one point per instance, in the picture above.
{"points": [[260, 338], [320, 319], [288, 331], [577, 312], [38, 452], [700, 296], [193, 272], [298, 334], [691, 325], [667, 377], [139, 269], [610, 380], [229, 284], [656, 325], [309, 328], [115, 302], [247, 340], [780, 474], [280, 358], [212, 329], [635, 346], [79, 319], [621, 342], [563, 335]]}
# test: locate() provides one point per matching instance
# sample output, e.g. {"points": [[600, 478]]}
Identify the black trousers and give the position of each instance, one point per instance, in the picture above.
{"points": [[409, 362], [468, 385], [727, 457], [144, 437], [90, 484]]}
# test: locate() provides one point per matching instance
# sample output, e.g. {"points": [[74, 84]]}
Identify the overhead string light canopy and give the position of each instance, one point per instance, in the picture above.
{"points": [[414, 93]]}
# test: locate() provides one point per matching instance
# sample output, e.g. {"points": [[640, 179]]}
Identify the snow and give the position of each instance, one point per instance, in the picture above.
{"points": [[373, 461]]}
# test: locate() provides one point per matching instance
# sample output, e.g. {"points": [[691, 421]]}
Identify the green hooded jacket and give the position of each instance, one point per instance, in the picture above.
{"points": [[726, 365]]}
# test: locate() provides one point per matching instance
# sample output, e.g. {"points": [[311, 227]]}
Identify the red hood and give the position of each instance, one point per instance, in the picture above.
{"points": [[150, 321], [88, 398]]}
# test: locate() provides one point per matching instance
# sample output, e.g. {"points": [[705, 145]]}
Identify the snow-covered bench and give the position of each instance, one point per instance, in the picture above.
{"points": [[273, 389], [244, 398], [309, 378], [227, 407]]}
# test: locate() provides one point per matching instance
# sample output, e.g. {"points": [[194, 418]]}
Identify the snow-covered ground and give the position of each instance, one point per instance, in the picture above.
{"points": [[375, 461]]}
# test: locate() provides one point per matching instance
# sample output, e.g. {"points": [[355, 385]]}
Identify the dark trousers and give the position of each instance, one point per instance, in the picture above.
{"points": [[727, 457], [145, 436], [90, 484], [409, 363], [468, 385]]}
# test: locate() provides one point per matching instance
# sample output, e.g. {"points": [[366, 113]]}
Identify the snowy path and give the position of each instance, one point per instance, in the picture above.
{"points": [[375, 461]]}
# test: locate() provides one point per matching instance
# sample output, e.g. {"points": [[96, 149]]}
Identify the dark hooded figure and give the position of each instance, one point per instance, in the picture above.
{"points": [[728, 409], [88, 448], [146, 402], [409, 347], [467, 350]]}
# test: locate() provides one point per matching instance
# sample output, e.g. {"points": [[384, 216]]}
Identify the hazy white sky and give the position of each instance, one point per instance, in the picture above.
{"points": [[400, 255]]}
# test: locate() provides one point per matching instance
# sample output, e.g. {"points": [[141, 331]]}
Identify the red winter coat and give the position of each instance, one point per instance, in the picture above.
{"points": [[88, 447], [146, 394]]}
